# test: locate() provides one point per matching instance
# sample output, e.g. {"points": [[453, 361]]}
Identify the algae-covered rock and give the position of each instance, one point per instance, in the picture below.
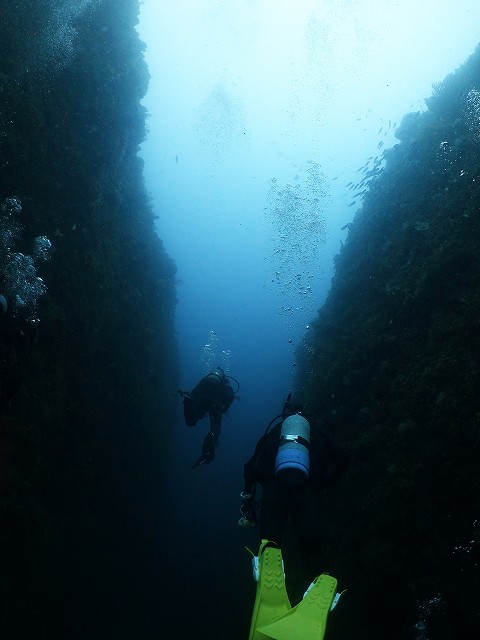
{"points": [[83, 443]]}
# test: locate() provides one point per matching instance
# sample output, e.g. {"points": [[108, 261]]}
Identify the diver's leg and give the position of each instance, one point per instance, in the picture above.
{"points": [[208, 447], [210, 441], [208, 451], [307, 518], [273, 513], [215, 422]]}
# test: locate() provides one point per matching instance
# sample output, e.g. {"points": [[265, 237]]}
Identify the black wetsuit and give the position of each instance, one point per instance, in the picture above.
{"points": [[212, 395], [301, 502]]}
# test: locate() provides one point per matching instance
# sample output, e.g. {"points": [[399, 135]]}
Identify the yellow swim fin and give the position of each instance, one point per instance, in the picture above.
{"points": [[271, 600], [308, 619]]}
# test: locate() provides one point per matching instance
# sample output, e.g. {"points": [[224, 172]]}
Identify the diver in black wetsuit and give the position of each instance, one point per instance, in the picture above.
{"points": [[212, 395], [293, 463]]}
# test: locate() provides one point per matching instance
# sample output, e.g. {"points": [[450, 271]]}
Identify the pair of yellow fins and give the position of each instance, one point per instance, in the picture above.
{"points": [[273, 616]]}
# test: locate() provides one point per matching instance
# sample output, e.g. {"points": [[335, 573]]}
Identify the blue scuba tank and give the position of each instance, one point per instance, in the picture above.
{"points": [[292, 463]]}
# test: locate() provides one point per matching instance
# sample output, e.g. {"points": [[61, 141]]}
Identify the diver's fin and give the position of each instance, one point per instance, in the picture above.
{"points": [[271, 600], [308, 619], [198, 462], [204, 458]]}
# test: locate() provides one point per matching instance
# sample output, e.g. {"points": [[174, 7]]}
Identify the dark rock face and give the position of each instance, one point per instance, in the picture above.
{"points": [[82, 443], [394, 364]]}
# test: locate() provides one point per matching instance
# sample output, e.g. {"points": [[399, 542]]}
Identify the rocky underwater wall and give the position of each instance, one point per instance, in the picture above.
{"points": [[393, 365], [83, 438]]}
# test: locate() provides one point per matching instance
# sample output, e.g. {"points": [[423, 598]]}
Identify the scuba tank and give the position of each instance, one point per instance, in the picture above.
{"points": [[292, 463]]}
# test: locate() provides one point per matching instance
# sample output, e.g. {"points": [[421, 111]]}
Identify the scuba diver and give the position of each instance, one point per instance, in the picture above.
{"points": [[212, 395], [293, 463], [15, 348]]}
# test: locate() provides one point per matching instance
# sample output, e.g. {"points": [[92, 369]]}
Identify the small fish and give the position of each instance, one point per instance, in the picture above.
{"points": [[176, 159]]}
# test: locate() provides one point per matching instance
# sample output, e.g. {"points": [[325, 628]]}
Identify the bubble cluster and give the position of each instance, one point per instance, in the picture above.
{"points": [[19, 280], [444, 155], [220, 122], [208, 352], [41, 248], [295, 213], [473, 113], [211, 357], [11, 206], [225, 359], [57, 35]]}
